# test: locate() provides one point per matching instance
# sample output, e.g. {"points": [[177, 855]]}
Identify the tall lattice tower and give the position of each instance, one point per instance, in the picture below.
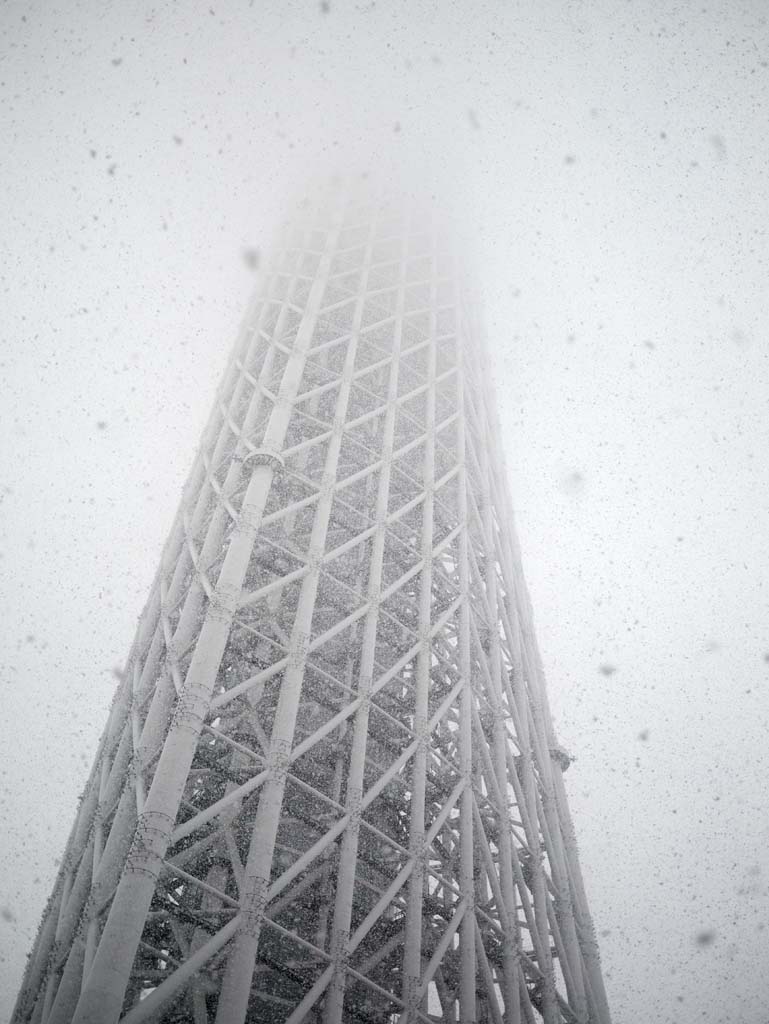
{"points": [[329, 789]]}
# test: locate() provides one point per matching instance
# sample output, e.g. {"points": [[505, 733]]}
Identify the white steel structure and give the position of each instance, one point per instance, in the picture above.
{"points": [[329, 789]]}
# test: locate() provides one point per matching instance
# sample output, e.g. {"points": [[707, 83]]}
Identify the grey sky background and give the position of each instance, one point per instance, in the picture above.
{"points": [[613, 159]]}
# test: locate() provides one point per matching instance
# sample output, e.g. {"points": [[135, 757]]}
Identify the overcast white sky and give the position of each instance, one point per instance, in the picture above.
{"points": [[615, 160]]}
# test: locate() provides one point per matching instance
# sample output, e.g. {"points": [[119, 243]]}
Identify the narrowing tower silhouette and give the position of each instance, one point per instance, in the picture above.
{"points": [[329, 788]]}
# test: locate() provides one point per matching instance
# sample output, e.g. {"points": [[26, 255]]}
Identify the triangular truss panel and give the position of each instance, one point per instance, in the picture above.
{"points": [[329, 788]]}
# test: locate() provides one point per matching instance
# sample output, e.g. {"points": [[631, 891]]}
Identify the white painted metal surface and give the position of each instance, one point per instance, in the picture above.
{"points": [[329, 788]]}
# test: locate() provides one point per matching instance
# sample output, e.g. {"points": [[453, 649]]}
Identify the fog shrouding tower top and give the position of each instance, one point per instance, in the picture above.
{"points": [[329, 788]]}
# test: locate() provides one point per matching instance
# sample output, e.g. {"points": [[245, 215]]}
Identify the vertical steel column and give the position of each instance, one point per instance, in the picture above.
{"points": [[467, 961], [412, 950], [511, 951], [345, 881], [102, 997], [233, 1002]]}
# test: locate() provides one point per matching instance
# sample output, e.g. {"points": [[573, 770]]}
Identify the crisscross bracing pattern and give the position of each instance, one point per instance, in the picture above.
{"points": [[329, 790]]}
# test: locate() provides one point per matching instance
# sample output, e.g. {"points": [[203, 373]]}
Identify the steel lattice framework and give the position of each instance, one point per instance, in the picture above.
{"points": [[329, 788]]}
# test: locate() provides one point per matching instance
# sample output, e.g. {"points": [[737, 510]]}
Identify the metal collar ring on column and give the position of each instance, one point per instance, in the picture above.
{"points": [[265, 457]]}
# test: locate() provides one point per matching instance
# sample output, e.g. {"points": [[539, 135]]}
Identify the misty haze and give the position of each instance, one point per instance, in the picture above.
{"points": [[384, 503]]}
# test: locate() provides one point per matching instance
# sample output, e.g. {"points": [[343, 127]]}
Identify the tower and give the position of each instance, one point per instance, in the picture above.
{"points": [[329, 789]]}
